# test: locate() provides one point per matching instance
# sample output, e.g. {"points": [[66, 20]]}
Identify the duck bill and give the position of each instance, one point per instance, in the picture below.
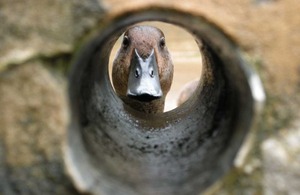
{"points": [[143, 81]]}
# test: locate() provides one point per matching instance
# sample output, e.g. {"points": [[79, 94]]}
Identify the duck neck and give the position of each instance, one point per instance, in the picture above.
{"points": [[151, 107]]}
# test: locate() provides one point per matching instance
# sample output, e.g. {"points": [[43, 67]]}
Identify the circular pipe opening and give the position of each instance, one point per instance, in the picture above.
{"points": [[112, 149], [185, 56]]}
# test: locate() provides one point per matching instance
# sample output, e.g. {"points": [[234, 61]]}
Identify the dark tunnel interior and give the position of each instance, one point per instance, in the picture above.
{"points": [[114, 149]]}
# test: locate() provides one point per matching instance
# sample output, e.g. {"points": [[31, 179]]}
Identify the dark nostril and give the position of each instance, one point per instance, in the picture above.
{"points": [[137, 73], [152, 73]]}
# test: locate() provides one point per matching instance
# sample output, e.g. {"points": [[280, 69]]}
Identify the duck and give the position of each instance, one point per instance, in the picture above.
{"points": [[142, 72], [187, 91]]}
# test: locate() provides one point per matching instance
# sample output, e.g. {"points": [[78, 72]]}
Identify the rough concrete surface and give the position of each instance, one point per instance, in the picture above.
{"points": [[34, 28], [281, 162], [33, 122]]}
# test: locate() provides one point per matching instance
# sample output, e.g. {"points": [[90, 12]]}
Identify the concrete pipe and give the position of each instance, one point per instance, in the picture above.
{"points": [[112, 149]]}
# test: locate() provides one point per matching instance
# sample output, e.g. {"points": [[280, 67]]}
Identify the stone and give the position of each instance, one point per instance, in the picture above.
{"points": [[34, 28], [33, 122], [43, 28], [281, 163]]}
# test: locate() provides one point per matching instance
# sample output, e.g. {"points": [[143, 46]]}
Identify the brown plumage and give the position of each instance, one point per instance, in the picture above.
{"points": [[187, 91]]}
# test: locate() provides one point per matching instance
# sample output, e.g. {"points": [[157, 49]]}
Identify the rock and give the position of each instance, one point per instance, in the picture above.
{"points": [[43, 28], [85, 16], [33, 125], [281, 163], [34, 28]]}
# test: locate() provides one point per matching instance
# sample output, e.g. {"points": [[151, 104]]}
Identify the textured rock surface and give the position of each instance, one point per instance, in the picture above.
{"points": [[34, 28], [281, 162], [43, 28], [33, 122]]}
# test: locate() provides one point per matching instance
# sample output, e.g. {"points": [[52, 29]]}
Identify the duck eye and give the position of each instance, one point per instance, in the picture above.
{"points": [[125, 42], [162, 42], [137, 73]]}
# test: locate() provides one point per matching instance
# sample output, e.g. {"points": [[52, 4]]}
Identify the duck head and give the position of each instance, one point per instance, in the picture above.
{"points": [[142, 69]]}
